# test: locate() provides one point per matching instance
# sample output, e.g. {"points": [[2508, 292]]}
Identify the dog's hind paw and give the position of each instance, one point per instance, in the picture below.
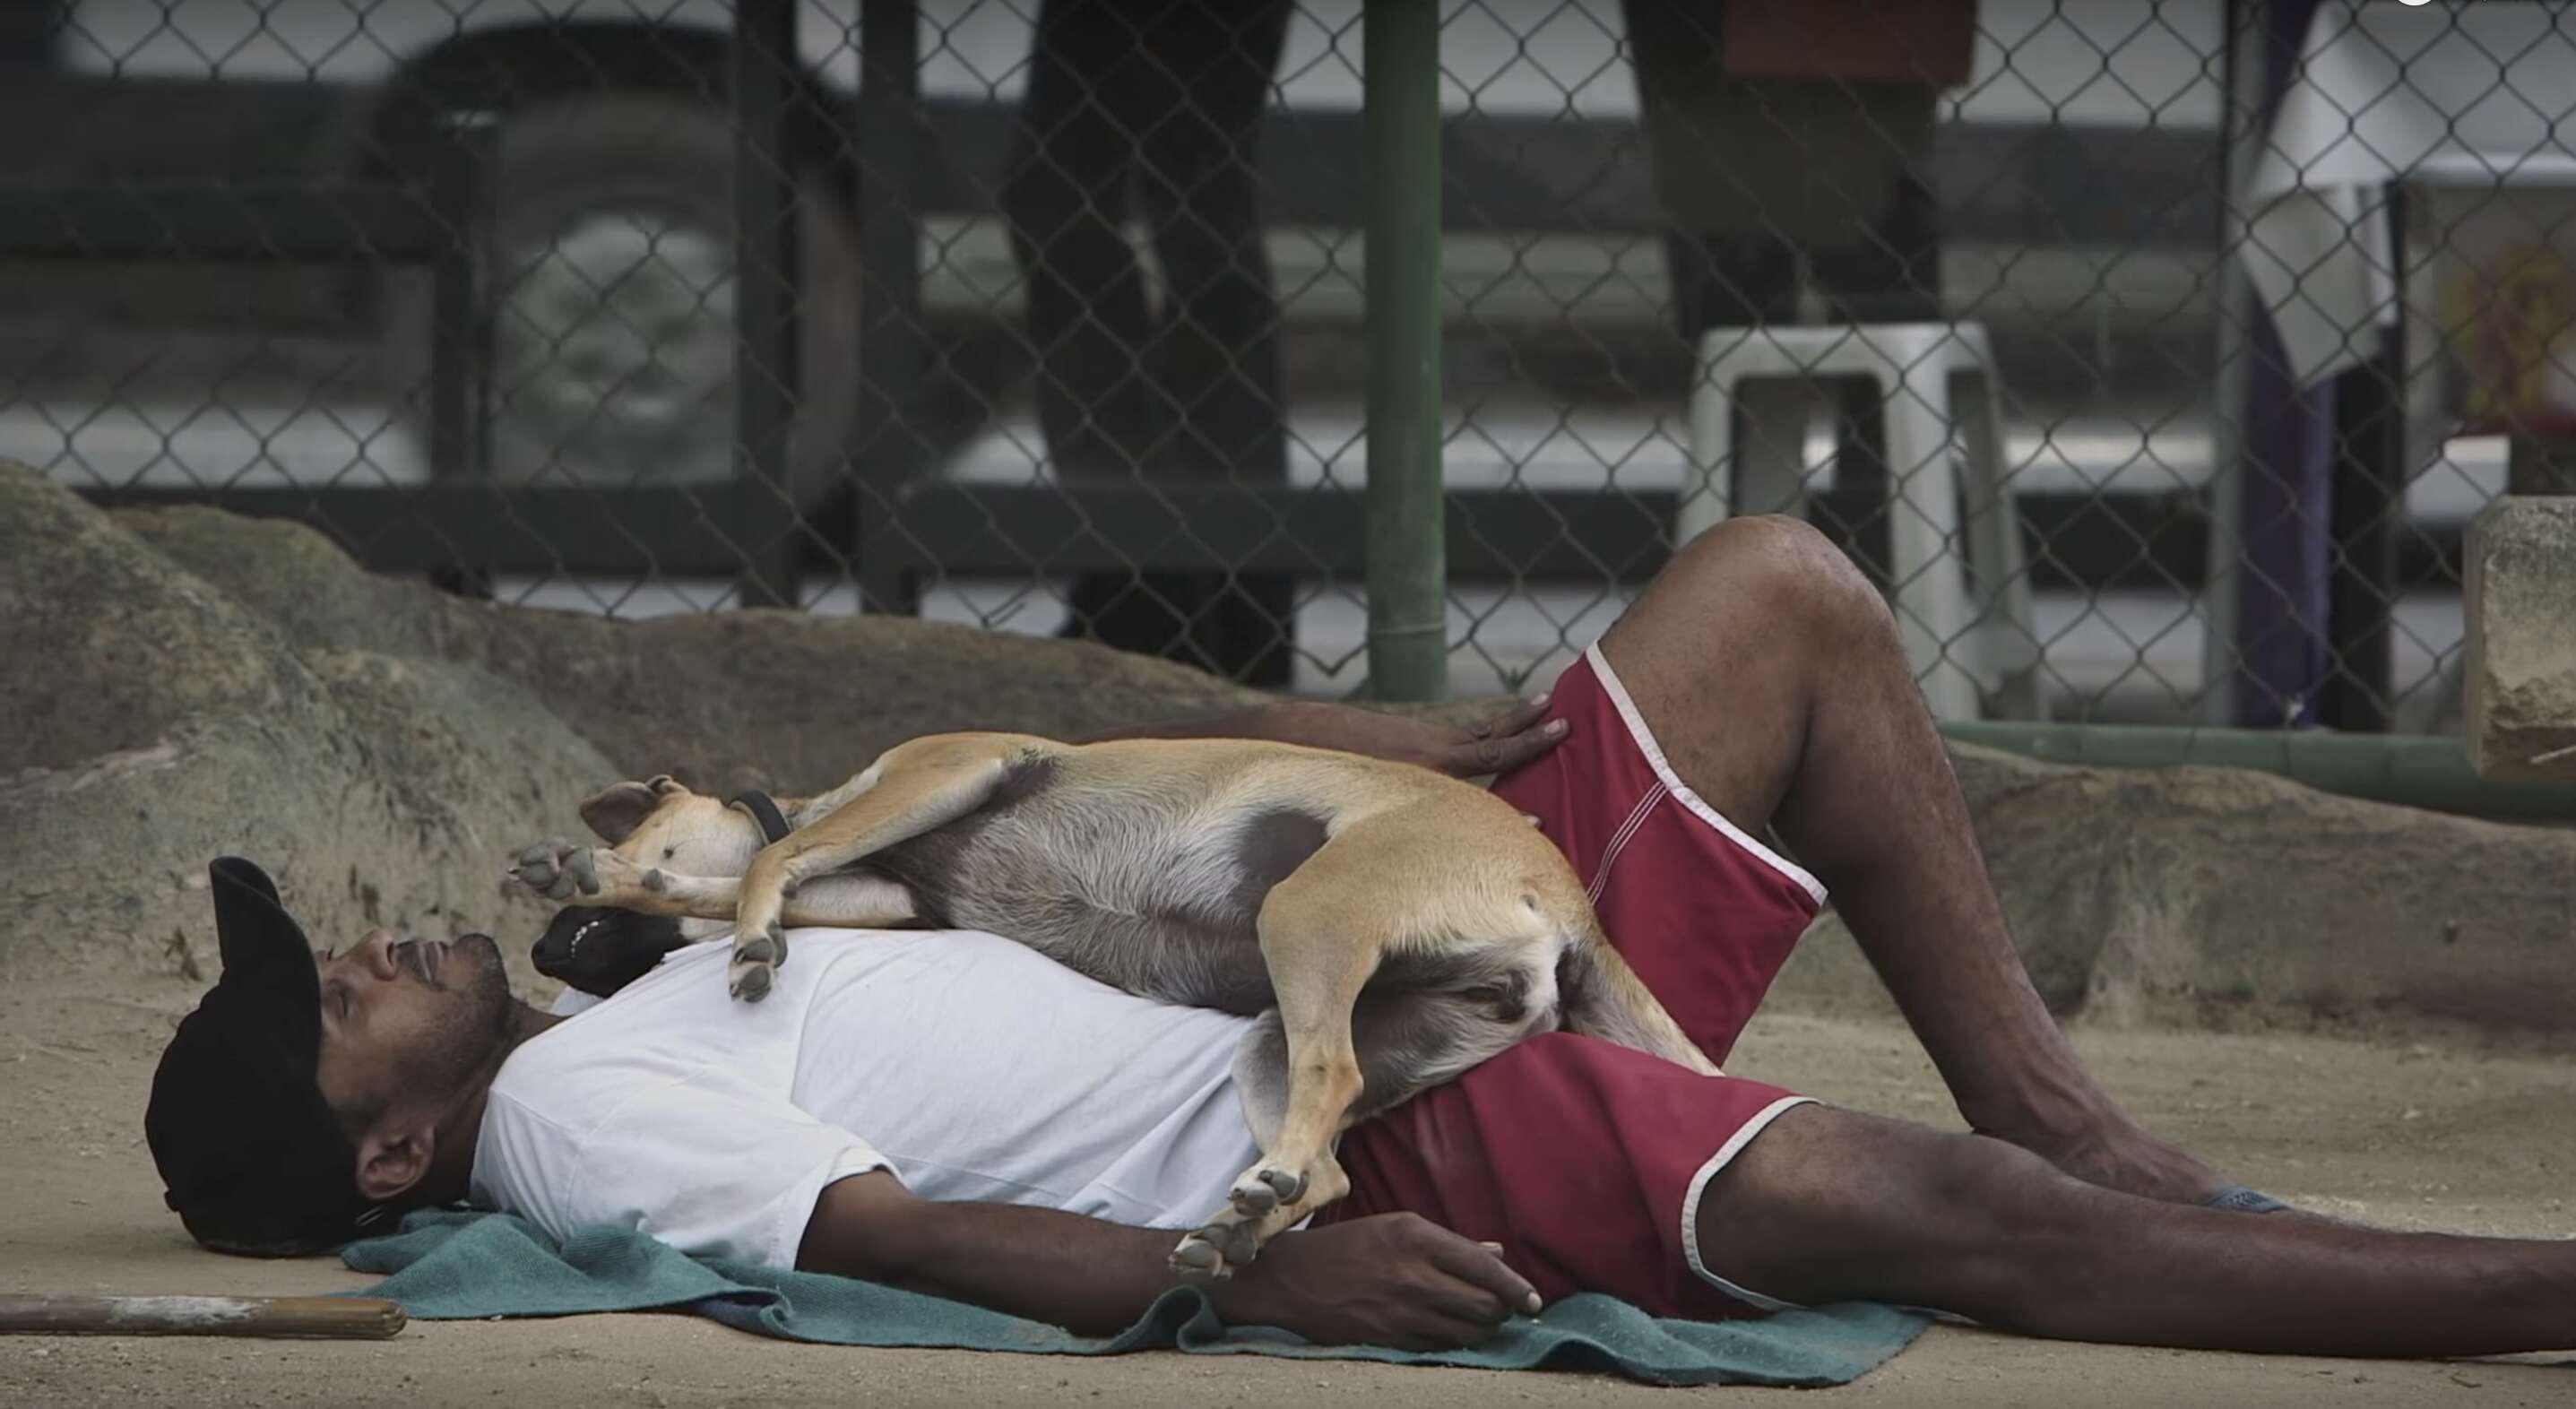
{"points": [[1267, 1199], [1216, 1251], [1259, 1193], [1197, 1259]]}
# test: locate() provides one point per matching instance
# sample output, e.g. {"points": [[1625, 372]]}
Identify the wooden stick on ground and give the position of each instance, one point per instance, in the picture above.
{"points": [[328, 1318]]}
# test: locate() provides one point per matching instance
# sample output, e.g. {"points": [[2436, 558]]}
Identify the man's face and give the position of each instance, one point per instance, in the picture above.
{"points": [[408, 1024]]}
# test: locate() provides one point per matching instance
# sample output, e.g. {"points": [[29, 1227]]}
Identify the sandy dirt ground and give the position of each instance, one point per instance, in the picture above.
{"points": [[2416, 1136]]}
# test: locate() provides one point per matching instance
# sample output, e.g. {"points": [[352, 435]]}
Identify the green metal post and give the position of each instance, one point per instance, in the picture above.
{"points": [[1407, 555]]}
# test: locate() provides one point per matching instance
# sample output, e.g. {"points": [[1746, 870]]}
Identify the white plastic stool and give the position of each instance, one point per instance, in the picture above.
{"points": [[1954, 633]]}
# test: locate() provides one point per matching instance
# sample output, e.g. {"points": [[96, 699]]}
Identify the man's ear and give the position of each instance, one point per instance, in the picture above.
{"points": [[393, 1157]]}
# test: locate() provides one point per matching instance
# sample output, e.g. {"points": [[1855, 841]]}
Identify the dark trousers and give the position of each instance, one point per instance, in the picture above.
{"points": [[1884, 267], [29, 31], [1154, 107], [1893, 275]]}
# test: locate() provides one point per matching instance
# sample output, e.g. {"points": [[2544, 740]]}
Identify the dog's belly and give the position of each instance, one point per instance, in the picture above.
{"points": [[1145, 903], [1167, 957]]}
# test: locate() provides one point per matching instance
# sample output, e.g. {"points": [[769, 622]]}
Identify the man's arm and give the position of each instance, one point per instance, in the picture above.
{"points": [[1393, 1280], [1498, 745]]}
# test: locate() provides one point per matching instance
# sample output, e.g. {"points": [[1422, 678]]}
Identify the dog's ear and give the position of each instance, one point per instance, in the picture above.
{"points": [[617, 810], [663, 785]]}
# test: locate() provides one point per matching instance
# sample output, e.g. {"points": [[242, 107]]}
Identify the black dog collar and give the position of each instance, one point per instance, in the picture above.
{"points": [[764, 810]]}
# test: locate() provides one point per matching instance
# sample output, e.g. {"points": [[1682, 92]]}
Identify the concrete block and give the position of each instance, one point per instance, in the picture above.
{"points": [[2521, 604]]}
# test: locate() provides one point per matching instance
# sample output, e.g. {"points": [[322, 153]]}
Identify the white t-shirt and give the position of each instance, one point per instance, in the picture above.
{"points": [[970, 1066]]}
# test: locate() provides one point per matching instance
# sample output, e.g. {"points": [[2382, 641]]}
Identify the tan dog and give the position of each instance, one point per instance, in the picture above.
{"points": [[1389, 926]]}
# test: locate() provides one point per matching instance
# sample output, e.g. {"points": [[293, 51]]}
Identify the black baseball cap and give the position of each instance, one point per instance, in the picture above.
{"points": [[253, 1159]]}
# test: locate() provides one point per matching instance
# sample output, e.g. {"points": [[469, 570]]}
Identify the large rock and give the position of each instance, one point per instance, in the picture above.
{"points": [[2520, 596], [151, 721], [110, 646], [2211, 895], [389, 800], [788, 700]]}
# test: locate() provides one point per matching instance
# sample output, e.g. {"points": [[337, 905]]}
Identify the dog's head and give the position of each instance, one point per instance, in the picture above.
{"points": [[660, 823], [655, 823]]}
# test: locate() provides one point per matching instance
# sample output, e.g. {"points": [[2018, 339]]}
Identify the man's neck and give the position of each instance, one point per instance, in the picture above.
{"points": [[527, 1021], [451, 1169]]}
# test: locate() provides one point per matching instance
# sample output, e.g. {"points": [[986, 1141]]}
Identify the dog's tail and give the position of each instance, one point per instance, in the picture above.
{"points": [[1600, 996]]}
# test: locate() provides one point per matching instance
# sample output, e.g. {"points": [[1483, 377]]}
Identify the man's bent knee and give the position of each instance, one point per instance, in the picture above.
{"points": [[1756, 532], [1777, 565]]}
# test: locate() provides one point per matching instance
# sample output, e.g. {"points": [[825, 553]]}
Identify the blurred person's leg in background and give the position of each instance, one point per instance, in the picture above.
{"points": [[1791, 139], [29, 31], [1156, 104], [1216, 361]]}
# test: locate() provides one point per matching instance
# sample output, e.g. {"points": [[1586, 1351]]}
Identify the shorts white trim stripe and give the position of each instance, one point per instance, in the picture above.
{"points": [[1619, 840], [1681, 791], [1699, 1184]]}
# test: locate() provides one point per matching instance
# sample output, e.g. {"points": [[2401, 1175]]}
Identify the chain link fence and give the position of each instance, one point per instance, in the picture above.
{"points": [[1048, 315]]}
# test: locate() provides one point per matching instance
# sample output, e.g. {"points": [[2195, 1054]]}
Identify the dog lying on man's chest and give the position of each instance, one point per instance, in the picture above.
{"points": [[1388, 926]]}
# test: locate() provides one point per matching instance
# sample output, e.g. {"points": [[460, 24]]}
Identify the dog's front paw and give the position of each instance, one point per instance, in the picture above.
{"points": [[557, 870], [757, 953]]}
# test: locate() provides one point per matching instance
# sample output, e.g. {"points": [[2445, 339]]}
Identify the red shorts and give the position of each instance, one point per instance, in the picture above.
{"points": [[1583, 1159]]}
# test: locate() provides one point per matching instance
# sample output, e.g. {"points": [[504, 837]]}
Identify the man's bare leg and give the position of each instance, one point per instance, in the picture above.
{"points": [[1774, 677], [1829, 1205]]}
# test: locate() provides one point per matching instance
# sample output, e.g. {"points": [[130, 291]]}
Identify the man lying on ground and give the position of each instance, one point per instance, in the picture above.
{"points": [[954, 1113]]}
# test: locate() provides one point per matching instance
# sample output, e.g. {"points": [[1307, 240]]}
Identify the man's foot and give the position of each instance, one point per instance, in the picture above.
{"points": [[2105, 1147], [2236, 1198], [2118, 1155]]}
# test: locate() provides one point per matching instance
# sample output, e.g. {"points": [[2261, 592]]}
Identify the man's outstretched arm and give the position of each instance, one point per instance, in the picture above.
{"points": [[1393, 1280]]}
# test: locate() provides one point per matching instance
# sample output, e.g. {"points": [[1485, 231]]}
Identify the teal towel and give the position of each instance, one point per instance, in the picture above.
{"points": [[453, 1265]]}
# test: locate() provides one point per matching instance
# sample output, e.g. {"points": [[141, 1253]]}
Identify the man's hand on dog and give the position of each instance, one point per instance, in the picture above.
{"points": [[1392, 1279], [1498, 745]]}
